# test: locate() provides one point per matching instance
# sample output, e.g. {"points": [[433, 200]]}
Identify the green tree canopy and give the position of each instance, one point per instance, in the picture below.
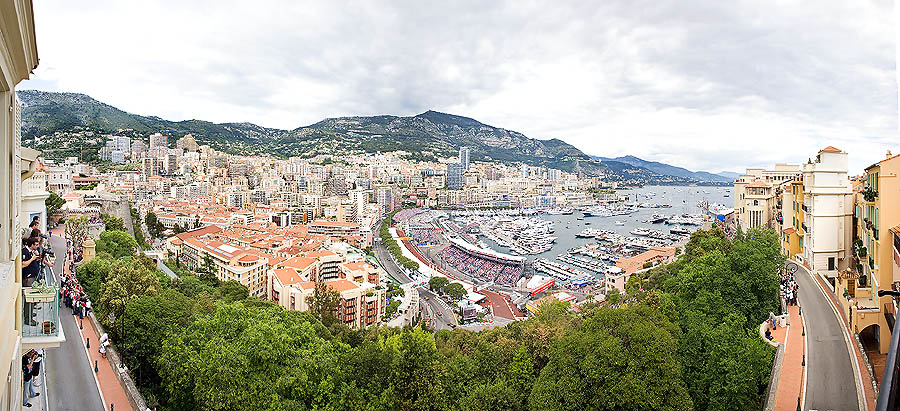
{"points": [[455, 291], [437, 283], [54, 203], [116, 243], [249, 359], [324, 303], [112, 223], [126, 281]]}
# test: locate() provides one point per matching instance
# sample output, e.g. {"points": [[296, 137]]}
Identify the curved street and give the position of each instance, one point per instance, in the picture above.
{"points": [[68, 367], [830, 381]]}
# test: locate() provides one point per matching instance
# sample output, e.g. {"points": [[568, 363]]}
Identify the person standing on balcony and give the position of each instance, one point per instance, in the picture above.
{"points": [[36, 367], [27, 365], [30, 269], [30, 261]]}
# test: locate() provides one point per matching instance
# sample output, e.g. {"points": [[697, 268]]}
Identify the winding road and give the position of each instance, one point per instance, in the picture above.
{"points": [[830, 383], [68, 370]]}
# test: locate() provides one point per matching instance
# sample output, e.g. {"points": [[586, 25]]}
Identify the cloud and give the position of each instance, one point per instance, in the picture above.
{"points": [[700, 84]]}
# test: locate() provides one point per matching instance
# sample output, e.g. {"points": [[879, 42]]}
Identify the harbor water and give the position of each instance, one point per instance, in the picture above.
{"points": [[684, 200]]}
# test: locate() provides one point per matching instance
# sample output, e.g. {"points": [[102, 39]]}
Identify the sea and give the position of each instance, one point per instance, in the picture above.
{"points": [[684, 200]]}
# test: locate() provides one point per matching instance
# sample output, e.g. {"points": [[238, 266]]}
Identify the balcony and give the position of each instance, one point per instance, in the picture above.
{"points": [[35, 185], [40, 315], [869, 194]]}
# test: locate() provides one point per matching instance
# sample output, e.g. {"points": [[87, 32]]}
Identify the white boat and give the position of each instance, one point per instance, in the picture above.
{"points": [[620, 222], [640, 231]]}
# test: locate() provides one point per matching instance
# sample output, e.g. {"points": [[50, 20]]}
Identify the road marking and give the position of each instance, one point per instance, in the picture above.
{"points": [[857, 377], [90, 366], [806, 352]]}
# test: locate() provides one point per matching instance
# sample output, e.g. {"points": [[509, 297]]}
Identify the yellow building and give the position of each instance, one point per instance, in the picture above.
{"points": [[18, 57], [793, 227], [877, 260]]}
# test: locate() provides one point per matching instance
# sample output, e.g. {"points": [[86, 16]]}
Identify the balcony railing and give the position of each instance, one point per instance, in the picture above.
{"points": [[36, 184], [40, 316]]}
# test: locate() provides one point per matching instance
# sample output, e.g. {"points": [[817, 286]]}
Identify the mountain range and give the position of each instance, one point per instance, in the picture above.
{"points": [[670, 170], [425, 136]]}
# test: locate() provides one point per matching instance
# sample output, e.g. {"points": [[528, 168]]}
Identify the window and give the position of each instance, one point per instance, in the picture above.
{"points": [[830, 263]]}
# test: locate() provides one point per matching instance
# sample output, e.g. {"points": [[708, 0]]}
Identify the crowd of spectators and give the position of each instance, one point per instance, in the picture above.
{"points": [[423, 235], [405, 214], [481, 268]]}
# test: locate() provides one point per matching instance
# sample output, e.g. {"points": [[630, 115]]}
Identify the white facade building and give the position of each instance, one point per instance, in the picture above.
{"points": [[828, 212]]}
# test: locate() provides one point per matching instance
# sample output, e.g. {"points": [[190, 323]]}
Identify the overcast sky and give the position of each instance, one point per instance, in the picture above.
{"points": [[707, 85]]}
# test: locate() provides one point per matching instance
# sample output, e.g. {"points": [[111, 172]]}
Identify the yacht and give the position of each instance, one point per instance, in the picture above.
{"points": [[679, 230], [641, 231], [658, 218], [620, 222]]}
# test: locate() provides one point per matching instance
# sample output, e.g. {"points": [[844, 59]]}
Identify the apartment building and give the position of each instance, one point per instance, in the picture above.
{"points": [[756, 195], [793, 225], [827, 210], [361, 302], [876, 253], [228, 262], [349, 232], [18, 57]]}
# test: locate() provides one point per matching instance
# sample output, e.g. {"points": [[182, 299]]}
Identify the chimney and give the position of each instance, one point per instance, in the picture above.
{"points": [[888, 155]]}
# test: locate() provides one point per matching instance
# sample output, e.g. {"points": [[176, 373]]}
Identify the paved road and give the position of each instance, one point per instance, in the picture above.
{"points": [[387, 261], [67, 367], [164, 268], [434, 305], [830, 383]]}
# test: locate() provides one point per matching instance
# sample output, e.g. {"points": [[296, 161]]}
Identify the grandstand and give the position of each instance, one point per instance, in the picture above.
{"points": [[483, 264]]}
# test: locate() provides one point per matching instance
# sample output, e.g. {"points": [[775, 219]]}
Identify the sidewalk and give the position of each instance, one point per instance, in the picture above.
{"points": [[790, 382], [113, 393]]}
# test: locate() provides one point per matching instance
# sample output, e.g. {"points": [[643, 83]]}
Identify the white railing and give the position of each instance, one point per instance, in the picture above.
{"points": [[36, 184]]}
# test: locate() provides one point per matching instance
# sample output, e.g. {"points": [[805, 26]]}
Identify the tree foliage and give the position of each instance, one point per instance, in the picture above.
{"points": [[324, 303], [54, 203], [112, 223], [437, 283], [116, 243], [681, 339], [154, 226], [455, 291]]}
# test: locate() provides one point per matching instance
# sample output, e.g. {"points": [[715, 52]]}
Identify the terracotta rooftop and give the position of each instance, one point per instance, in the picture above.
{"points": [[342, 285], [631, 265], [299, 263], [359, 265], [333, 223], [830, 149], [249, 258], [287, 276]]}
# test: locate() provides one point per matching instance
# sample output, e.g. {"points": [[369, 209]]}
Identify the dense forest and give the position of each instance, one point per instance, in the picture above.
{"points": [[682, 338]]}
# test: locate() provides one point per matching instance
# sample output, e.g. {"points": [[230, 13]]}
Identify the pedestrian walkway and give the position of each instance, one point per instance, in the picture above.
{"points": [[791, 381], [113, 393]]}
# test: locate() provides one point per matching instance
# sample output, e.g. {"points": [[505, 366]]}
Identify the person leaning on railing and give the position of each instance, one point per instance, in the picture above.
{"points": [[30, 261]]}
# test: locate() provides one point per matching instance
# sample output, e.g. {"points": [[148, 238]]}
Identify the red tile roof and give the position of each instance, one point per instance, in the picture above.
{"points": [[287, 276], [342, 285], [830, 149]]}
